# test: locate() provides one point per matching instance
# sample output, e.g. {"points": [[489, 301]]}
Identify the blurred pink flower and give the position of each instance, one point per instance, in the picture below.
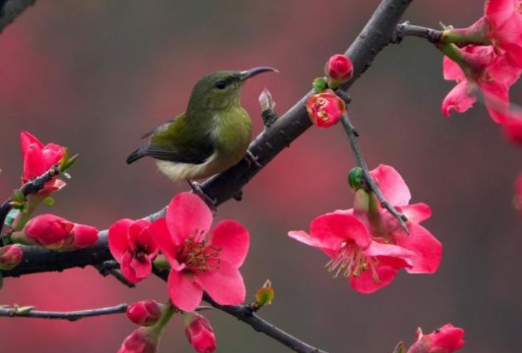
{"points": [[480, 67], [132, 245], [513, 128], [200, 334], [38, 159], [141, 340], [10, 257], [325, 109], [446, 339], [57, 233], [144, 313], [201, 262]]}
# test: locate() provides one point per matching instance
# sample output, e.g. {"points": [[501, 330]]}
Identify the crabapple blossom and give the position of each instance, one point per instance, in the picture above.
{"points": [[446, 339], [199, 333], [325, 109]]}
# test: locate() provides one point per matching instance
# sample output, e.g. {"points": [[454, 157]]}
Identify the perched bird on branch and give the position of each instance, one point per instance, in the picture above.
{"points": [[210, 137]]}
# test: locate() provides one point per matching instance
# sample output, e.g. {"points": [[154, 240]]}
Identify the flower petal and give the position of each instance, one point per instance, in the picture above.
{"points": [[427, 249], [416, 213], [225, 284], [392, 185], [159, 231], [332, 229], [184, 291], [187, 215], [127, 270], [118, 238], [460, 99], [233, 241], [367, 283], [142, 269], [27, 139]]}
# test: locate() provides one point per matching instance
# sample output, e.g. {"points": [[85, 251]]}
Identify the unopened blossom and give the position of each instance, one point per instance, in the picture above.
{"points": [[199, 333], [141, 340], [132, 245], [10, 257], [325, 109], [57, 233], [38, 159], [446, 339], [201, 260], [479, 68], [338, 69], [145, 312]]}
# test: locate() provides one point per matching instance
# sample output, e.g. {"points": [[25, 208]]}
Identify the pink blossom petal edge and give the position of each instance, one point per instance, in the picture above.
{"points": [[365, 283], [458, 99], [118, 238], [184, 292], [392, 185], [233, 241], [332, 229], [161, 235], [187, 215], [225, 285], [427, 249]]}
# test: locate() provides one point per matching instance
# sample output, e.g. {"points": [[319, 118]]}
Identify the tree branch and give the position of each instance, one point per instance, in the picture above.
{"points": [[11, 9], [62, 315], [374, 37], [406, 29]]}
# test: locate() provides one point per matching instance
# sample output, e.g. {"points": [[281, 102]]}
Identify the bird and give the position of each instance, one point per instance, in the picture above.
{"points": [[212, 135]]}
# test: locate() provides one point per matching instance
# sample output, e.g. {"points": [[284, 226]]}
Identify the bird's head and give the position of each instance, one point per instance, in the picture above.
{"points": [[221, 89]]}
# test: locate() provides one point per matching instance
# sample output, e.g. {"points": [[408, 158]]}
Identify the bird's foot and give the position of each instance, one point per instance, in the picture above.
{"points": [[196, 189], [252, 160]]}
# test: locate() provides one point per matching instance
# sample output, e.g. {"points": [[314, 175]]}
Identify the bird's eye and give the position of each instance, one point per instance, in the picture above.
{"points": [[220, 84]]}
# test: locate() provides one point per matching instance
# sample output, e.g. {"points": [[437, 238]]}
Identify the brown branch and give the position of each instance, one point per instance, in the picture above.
{"points": [[62, 315], [11, 9]]}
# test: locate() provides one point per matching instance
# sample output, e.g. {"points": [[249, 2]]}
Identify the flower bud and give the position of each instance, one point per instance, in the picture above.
{"points": [[339, 70], [144, 313], [325, 109], [265, 294], [356, 178], [320, 84], [141, 340], [10, 257], [199, 333], [446, 339], [83, 236], [47, 230], [266, 101]]}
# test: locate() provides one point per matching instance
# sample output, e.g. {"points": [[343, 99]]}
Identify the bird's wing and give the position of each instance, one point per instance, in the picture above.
{"points": [[162, 126], [185, 156]]}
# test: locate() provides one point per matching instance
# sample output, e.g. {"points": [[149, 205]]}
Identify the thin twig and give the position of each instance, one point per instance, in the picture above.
{"points": [[372, 186], [62, 315], [30, 188], [112, 268], [406, 29]]}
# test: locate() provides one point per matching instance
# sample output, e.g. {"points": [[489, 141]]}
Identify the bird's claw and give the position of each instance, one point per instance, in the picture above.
{"points": [[196, 189]]}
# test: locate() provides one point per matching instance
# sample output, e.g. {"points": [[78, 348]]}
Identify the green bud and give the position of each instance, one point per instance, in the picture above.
{"points": [[320, 84], [265, 295], [356, 178], [49, 201]]}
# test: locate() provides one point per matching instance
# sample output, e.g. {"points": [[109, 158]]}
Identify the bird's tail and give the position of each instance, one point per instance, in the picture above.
{"points": [[134, 156]]}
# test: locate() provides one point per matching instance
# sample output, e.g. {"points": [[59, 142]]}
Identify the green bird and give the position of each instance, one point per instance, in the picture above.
{"points": [[211, 136]]}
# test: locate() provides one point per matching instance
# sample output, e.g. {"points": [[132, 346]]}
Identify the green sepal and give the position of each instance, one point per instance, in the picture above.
{"points": [[49, 201], [320, 84], [356, 178]]}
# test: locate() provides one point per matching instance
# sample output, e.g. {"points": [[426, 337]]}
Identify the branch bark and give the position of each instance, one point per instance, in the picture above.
{"points": [[62, 315], [11, 9]]}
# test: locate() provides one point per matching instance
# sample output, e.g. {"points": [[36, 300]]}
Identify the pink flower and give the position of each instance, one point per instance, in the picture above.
{"points": [[142, 340], [10, 257], [339, 69], [144, 313], [200, 261], [480, 67], [200, 333], [369, 265], [513, 128], [325, 109], [132, 245], [38, 159], [446, 339], [385, 228], [517, 200], [57, 233]]}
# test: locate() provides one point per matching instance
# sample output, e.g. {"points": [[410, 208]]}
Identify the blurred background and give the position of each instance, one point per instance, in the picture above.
{"points": [[95, 75]]}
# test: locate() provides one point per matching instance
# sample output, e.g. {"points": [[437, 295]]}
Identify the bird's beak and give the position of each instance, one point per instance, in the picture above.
{"points": [[245, 75]]}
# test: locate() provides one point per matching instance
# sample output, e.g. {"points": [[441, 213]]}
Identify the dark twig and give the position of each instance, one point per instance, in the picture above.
{"points": [[405, 29], [65, 315], [112, 268], [11, 9], [29, 188], [372, 186], [374, 37]]}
